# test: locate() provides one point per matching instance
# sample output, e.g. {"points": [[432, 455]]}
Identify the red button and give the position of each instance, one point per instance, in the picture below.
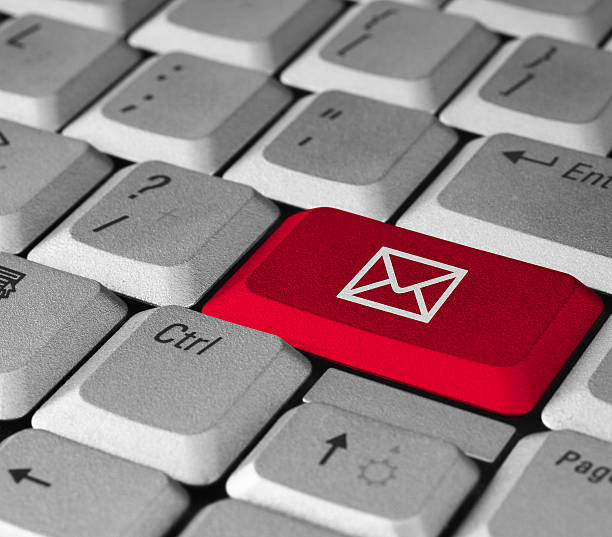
{"points": [[466, 324]]}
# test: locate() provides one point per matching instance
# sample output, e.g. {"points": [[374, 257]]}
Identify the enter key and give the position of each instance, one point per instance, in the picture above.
{"points": [[528, 200]]}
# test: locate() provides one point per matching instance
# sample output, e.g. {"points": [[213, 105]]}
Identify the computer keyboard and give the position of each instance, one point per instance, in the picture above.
{"points": [[311, 268]]}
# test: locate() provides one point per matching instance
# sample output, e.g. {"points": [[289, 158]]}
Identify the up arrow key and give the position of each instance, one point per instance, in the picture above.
{"points": [[20, 474], [335, 443]]}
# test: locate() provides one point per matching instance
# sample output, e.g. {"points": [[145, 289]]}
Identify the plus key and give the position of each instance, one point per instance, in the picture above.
{"points": [[463, 323]]}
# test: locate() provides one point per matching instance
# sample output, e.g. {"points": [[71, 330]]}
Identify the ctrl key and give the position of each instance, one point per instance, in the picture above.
{"points": [[51, 487], [355, 475], [554, 483]]}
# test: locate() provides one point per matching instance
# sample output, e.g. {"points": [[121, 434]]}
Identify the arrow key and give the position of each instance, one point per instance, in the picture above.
{"points": [[50, 486], [355, 475]]}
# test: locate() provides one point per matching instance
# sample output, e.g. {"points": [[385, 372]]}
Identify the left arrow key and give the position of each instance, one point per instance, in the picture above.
{"points": [[76, 491], [21, 474]]}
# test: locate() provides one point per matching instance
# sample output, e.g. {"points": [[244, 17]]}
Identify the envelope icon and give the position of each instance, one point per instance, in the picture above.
{"points": [[427, 284]]}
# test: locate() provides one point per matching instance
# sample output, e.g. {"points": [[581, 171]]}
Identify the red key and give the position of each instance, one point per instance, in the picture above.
{"points": [[466, 324]]}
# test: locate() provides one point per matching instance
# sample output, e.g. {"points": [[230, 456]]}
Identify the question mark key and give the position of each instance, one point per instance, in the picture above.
{"points": [[159, 233]]}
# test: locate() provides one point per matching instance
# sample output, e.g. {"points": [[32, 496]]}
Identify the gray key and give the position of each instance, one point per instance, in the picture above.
{"points": [[49, 321], [184, 110], [159, 233], [51, 487], [42, 176], [354, 474], [259, 35], [551, 484], [178, 391], [552, 189], [402, 54], [477, 436], [555, 80], [560, 7], [344, 151], [50, 70], [600, 384], [230, 518], [115, 16]]}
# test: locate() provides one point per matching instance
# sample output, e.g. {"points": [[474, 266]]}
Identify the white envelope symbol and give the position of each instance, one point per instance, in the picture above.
{"points": [[425, 313]]}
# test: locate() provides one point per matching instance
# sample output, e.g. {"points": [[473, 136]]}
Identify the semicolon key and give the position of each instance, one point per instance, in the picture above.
{"points": [[216, 384], [463, 323]]}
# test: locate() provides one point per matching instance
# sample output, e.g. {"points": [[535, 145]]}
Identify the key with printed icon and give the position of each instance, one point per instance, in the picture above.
{"points": [[528, 200], [312, 158], [258, 35], [50, 486], [184, 110], [554, 483], [581, 21], [463, 323], [159, 233], [215, 385], [397, 53], [355, 475], [36, 192], [231, 518], [542, 88], [116, 16], [584, 401], [49, 322], [50, 70]]}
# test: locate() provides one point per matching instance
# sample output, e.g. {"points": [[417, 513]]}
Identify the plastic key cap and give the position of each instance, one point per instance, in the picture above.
{"points": [[581, 21], [50, 70], [401, 54], [53, 487], [231, 518], [116, 16], [529, 200], [543, 88], [355, 475], [555, 483], [584, 401], [49, 321], [159, 233], [258, 35], [43, 174], [216, 385], [344, 151], [183, 110], [463, 323]]}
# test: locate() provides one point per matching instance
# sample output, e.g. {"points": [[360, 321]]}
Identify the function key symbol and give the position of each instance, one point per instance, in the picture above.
{"points": [[9, 279]]}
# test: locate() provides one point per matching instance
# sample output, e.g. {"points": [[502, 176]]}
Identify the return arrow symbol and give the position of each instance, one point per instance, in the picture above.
{"points": [[515, 156], [20, 474]]}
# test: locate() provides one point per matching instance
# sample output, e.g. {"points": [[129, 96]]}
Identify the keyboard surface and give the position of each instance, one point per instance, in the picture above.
{"points": [[312, 268]]}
